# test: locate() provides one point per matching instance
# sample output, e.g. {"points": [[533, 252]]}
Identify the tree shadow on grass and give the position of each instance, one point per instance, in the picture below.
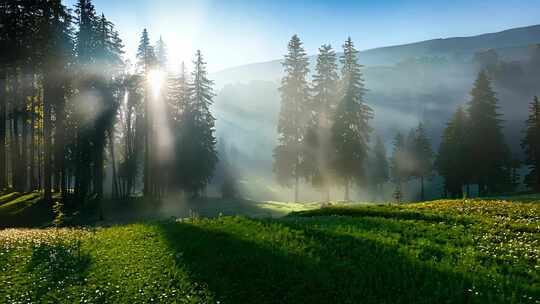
{"points": [[55, 266], [317, 267], [34, 212]]}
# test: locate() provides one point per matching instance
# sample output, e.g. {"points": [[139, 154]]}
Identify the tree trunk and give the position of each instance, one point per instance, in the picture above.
{"points": [[47, 168], [60, 143], [15, 161], [146, 189], [3, 116], [115, 190], [98, 172], [33, 185], [537, 167], [422, 198], [296, 188], [326, 193], [14, 143], [347, 194], [24, 152], [28, 81]]}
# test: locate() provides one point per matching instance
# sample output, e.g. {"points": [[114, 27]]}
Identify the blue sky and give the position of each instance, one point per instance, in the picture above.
{"points": [[236, 32]]}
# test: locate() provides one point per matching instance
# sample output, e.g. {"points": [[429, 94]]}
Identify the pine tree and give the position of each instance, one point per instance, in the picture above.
{"points": [[379, 173], [88, 79], [86, 35], [132, 121], [146, 62], [318, 152], [351, 130], [197, 155], [228, 175], [398, 164], [146, 57], [410, 158], [57, 33], [292, 117], [423, 154], [161, 54], [531, 145], [452, 161], [489, 154], [109, 57], [178, 95]]}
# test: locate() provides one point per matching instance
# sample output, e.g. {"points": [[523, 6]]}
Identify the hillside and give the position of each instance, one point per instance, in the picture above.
{"points": [[469, 251], [423, 81], [512, 44]]}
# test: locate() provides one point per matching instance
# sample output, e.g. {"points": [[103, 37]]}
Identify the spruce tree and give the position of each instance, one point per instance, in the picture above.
{"points": [[146, 62], [423, 154], [197, 156], [161, 54], [399, 159], [292, 116], [531, 145], [318, 146], [109, 51], [87, 51], [398, 164], [489, 154], [228, 173], [146, 56], [177, 95], [57, 37], [86, 35], [379, 173], [351, 130], [452, 161], [411, 160]]}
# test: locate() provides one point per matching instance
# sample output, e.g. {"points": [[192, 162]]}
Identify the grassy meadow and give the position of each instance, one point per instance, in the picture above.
{"points": [[448, 251]]}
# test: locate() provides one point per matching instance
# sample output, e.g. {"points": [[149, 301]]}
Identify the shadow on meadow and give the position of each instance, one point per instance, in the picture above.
{"points": [[54, 266], [33, 212], [117, 212], [261, 261]]}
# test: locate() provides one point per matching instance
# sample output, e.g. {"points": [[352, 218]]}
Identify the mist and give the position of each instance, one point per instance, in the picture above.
{"points": [[92, 122]]}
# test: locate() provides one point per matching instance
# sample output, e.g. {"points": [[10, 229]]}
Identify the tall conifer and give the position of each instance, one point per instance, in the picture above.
{"points": [[318, 147], [351, 130], [379, 173], [488, 152], [531, 145], [291, 127], [146, 62], [423, 154], [452, 160], [197, 155]]}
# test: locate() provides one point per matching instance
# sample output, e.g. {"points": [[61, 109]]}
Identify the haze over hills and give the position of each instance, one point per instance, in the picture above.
{"points": [[511, 44], [423, 81]]}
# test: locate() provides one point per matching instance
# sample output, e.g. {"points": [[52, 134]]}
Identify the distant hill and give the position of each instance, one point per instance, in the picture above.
{"points": [[511, 44]]}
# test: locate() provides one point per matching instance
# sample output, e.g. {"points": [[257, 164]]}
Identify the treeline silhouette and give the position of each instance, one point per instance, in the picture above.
{"points": [[324, 135], [72, 110]]}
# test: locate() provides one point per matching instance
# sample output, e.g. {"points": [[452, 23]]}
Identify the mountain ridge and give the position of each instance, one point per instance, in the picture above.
{"points": [[510, 43]]}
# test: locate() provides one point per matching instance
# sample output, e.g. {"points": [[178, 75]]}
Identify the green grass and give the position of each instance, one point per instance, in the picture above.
{"points": [[8, 196], [468, 251], [19, 203], [25, 210]]}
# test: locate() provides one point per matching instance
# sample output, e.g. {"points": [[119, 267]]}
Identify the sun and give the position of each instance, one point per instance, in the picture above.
{"points": [[156, 79]]}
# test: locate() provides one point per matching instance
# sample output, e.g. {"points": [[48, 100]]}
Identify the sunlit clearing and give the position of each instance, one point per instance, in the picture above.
{"points": [[156, 81]]}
